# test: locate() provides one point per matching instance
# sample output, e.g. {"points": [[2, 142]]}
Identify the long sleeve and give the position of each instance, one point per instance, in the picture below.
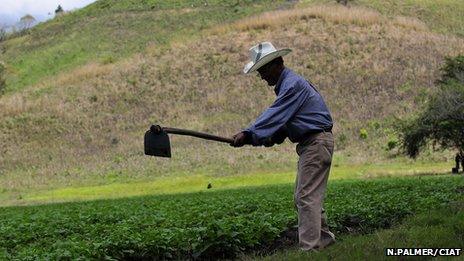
{"points": [[287, 103]]}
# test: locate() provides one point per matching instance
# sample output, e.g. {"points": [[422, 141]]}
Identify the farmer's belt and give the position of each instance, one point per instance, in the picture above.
{"points": [[310, 134]]}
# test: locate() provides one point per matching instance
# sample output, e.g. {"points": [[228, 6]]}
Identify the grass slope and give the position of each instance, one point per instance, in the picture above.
{"points": [[107, 31], [207, 225], [85, 127], [442, 16]]}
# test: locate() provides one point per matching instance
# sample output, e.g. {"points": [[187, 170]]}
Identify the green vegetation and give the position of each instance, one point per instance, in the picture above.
{"points": [[363, 134], [442, 121], [442, 227], [114, 185], [2, 77], [96, 115], [3, 34], [212, 224], [83, 87], [453, 70], [114, 28], [443, 16]]}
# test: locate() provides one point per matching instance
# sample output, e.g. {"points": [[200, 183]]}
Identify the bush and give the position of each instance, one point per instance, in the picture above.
{"points": [[343, 2], [442, 121], [392, 144], [108, 59], [2, 34], [363, 134], [2, 77], [453, 70]]}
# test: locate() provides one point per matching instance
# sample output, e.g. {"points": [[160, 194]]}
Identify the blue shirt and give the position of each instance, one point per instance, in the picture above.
{"points": [[299, 108]]}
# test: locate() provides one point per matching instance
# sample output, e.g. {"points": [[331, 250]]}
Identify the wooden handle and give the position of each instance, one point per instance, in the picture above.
{"points": [[197, 134]]}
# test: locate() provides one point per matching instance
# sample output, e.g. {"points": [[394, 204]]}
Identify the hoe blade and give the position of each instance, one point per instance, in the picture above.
{"points": [[157, 144]]}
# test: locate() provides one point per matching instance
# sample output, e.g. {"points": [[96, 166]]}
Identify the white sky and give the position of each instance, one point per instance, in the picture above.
{"points": [[12, 10]]}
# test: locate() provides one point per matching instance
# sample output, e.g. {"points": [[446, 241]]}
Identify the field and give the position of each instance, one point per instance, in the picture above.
{"points": [[198, 182], [218, 224], [74, 183]]}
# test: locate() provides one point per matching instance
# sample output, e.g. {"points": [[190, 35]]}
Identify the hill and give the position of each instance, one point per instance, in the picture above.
{"points": [[85, 125], [109, 30]]}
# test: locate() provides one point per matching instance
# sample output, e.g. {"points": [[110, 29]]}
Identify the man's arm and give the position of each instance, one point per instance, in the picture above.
{"points": [[277, 138], [274, 118], [244, 137]]}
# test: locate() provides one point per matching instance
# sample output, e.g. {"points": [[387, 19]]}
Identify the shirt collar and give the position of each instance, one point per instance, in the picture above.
{"points": [[282, 76]]}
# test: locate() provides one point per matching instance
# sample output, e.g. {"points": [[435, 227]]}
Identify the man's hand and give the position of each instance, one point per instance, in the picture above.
{"points": [[240, 139]]}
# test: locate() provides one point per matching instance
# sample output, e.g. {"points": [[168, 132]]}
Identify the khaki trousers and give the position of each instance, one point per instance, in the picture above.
{"points": [[315, 157]]}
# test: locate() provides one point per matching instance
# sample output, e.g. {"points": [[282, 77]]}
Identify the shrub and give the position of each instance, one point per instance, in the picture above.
{"points": [[391, 144], [343, 2], [453, 70], [442, 121], [2, 34], [363, 134], [2, 77], [108, 59]]}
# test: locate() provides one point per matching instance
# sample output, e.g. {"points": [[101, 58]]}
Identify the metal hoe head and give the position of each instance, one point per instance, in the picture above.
{"points": [[156, 142]]}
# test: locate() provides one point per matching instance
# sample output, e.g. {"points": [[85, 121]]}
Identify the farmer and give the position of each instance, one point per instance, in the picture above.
{"points": [[461, 154], [299, 113], [459, 159]]}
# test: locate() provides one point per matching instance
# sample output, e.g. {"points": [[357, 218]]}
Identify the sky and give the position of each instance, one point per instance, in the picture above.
{"points": [[12, 10]]}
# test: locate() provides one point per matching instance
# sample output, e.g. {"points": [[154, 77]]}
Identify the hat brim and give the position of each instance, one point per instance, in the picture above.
{"points": [[251, 66]]}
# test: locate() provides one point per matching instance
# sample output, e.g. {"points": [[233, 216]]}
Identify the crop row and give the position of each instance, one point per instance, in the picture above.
{"points": [[208, 224]]}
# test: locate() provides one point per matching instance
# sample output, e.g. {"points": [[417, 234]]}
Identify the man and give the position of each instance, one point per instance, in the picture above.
{"points": [[299, 113], [459, 159], [461, 154]]}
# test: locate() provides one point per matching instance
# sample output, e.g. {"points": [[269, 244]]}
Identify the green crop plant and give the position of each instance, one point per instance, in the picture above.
{"points": [[219, 224]]}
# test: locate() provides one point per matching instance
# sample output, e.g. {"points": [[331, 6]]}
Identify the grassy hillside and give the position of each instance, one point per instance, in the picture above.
{"points": [[442, 16], [109, 30], [85, 125]]}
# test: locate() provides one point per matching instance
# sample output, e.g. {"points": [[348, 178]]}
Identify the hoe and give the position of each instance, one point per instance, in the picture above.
{"points": [[156, 142]]}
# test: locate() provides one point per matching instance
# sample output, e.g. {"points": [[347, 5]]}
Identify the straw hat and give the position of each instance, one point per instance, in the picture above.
{"points": [[261, 54]]}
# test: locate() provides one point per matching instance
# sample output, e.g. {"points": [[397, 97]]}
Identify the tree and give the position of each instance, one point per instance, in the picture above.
{"points": [[26, 22], [2, 77], [2, 33], [59, 10], [442, 121]]}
